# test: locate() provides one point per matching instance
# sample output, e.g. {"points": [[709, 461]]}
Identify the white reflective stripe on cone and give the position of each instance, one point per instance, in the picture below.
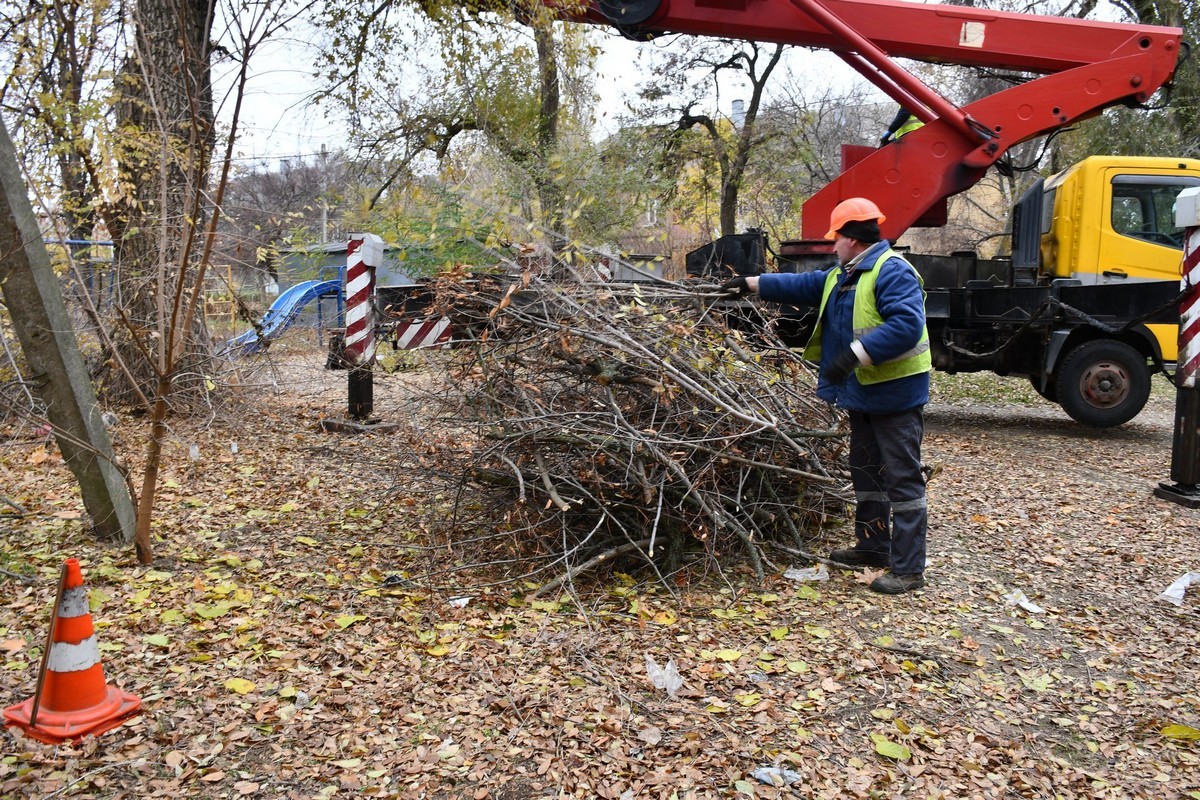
{"points": [[67, 657], [74, 603]]}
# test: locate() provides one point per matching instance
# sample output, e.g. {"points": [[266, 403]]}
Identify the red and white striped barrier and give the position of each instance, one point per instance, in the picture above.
{"points": [[1185, 442], [364, 253], [423, 334], [1189, 313]]}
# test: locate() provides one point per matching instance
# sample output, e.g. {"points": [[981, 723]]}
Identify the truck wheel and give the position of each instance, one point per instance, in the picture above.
{"points": [[1050, 392], [1103, 383]]}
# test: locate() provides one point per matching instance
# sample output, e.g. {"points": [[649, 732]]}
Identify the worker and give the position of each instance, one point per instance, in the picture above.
{"points": [[904, 122], [872, 349]]}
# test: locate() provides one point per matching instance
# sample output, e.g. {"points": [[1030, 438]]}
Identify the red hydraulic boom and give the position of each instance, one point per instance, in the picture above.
{"points": [[1083, 66]]}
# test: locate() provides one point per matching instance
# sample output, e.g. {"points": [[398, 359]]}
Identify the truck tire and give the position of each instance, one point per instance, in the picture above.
{"points": [[1050, 392], [1103, 383]]}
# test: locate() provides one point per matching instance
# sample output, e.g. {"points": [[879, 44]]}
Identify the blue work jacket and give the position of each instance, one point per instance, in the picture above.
{"points": [[901, 303]]}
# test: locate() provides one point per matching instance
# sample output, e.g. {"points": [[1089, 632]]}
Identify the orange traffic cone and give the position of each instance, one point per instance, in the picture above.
{"points": [[72, 700]]}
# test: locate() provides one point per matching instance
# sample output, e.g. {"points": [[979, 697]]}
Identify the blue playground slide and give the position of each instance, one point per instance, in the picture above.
{"points": [[282, 313]]}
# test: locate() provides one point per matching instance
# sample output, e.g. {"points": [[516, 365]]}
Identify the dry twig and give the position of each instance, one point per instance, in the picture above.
{"points": [[608, 414]]}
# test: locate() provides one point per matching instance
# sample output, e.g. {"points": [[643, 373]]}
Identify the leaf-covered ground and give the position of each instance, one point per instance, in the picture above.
{"points": [[283, 645]]}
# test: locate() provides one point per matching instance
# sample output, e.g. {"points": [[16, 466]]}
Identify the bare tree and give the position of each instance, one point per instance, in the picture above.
{"points": [[51, 53], [684, 78], [519, 96], [804, 127], [302, 200], [156, 123]]}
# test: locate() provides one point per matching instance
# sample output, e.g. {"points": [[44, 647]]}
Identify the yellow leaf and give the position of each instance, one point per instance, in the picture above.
{"points": [[889, 749], [438, 650], [665, 618], [748, 699], [307, 540], [240, 685], [346, 620], [883, 713], [1181, 732], [818, 632], [778, 633], [806, 592], [1038, 682], [728, 655], [211, 612], [798, 667]]}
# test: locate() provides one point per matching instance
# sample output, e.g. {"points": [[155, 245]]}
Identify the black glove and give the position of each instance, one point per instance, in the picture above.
{"points": [[842, 366], [736, 286], [884, 139]]}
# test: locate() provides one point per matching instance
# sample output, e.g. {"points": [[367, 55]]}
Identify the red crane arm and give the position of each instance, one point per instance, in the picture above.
{"points": [[1086, 67], [924, 32]]}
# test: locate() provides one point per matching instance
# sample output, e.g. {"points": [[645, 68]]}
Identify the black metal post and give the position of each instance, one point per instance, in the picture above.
{"points": [[361, 392], [1185, 451]]}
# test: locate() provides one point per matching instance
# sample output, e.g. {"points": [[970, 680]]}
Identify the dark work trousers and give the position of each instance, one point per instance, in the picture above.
{"points": [[885, 467]]}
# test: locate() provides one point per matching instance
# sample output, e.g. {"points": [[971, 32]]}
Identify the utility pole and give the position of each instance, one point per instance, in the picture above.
{"points": [[324, 200], [56, 368]]}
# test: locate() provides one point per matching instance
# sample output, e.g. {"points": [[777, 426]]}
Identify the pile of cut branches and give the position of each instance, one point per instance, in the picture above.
{"points": [[615, 421]]}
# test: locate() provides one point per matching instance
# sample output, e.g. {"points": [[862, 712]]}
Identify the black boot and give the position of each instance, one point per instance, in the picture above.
{"points": [[894, 583], [855, 557]]}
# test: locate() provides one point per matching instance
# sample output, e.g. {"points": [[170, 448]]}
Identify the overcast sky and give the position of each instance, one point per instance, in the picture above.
{"points": [[278, 121]]}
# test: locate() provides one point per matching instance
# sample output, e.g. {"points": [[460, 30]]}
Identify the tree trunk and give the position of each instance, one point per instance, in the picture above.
{"points": [[166, 116], [549, 188], [734, 167], [166, 120]]}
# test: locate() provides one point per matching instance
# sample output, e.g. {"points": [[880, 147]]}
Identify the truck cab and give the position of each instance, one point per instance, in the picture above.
{"points": [[1111, 221]]}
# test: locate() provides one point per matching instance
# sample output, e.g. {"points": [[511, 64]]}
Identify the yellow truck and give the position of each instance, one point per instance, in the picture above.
{"points": [[1135, 241], [1084, 307]]}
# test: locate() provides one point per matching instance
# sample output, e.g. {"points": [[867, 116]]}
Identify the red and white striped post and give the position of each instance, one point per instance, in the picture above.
{"points": [[364, 254], [1185, 447]]}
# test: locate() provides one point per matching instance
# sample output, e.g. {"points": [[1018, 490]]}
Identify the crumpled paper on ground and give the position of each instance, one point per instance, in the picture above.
{"points": [[1173, 594], [667, 677], [1018, 598], [817, 573], [776, 776]]}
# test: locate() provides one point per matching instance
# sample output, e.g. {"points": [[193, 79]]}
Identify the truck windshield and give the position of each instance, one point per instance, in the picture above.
{"points": [[1143, 207]]}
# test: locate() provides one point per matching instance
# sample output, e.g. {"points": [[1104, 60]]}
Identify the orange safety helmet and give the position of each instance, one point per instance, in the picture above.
{"points": [[853, 209]]}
